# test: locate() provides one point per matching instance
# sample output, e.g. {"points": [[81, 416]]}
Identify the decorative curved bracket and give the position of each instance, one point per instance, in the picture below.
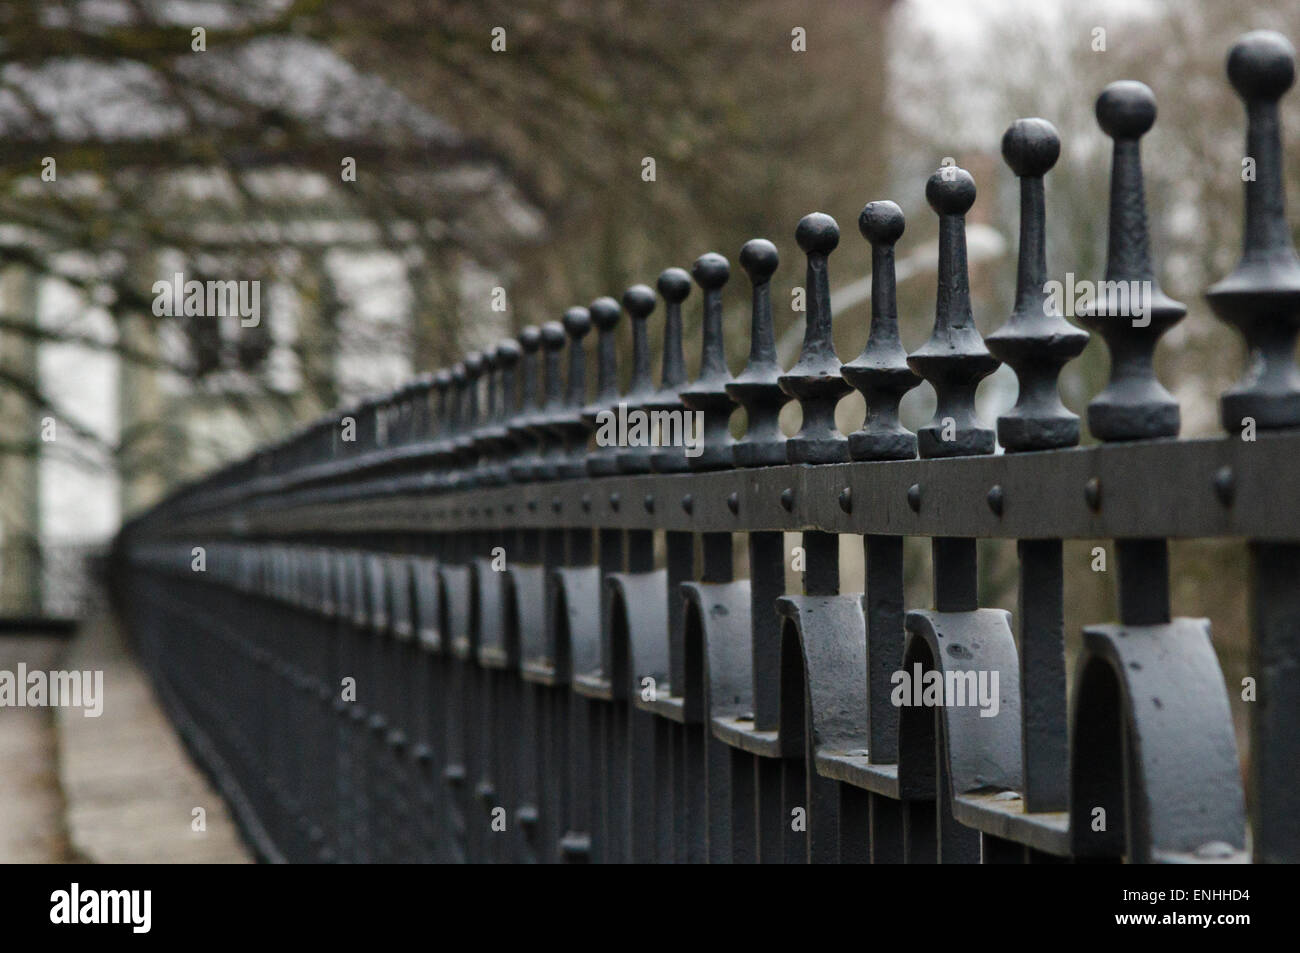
{"points": [[427, 604], [528, 594], [833, 638], [638, 634], [983, 751], [718, 655], [1154, 747], [575, 635], [401, 598], [489, 618], [454, 600]]}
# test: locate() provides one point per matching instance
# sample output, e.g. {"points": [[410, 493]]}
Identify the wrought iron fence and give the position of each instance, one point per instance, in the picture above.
{"points": [[448, 624]]}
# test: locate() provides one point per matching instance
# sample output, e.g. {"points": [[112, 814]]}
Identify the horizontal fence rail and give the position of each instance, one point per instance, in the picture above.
{"points": [[454, 623]]}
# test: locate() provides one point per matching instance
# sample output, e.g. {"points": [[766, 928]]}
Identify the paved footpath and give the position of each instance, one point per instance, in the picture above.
{"points": [[32, 829], [119, 788]]}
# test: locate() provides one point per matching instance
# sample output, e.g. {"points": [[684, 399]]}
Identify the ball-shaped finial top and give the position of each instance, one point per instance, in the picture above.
{"points": [[1261, 65], [817, 234], [1031, 147], [950, 191], [759, 258], [508, 352], [639, 300], [473, 364], [552, 335], [605, 312], [674, 284], [711, 270], [577, 321], [442, 380], [1126, 109], [458, 374], [881, 223], [530, 339]]}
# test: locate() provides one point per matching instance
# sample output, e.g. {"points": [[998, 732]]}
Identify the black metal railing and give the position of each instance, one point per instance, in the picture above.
{"points": [[450, 624]]}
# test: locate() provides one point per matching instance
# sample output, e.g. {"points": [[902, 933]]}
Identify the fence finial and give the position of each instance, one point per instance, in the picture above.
{"points": [[1261, 297], [507, 356], [419, 405], [459, 427], [548, 442], [465, 451], [440, 418], [880, 372], [577, 324], [491, 380], [707, 393], [756, 388], [1134, 405], [530, 340], [674, 284], [456, 417], [570, 422], [605, 312], [488, 434], [523, 467], [1036, 341], [955, 359], [399, 411], [553, 338], [639, 302], [815, 379]]}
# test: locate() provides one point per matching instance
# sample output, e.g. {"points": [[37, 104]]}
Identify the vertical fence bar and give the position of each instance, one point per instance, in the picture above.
{"points": [[707, 395], [758, 390], [954, 360], [674, 286], [1261, 298], [816, 383], [1037, 343], [881, 374]]}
